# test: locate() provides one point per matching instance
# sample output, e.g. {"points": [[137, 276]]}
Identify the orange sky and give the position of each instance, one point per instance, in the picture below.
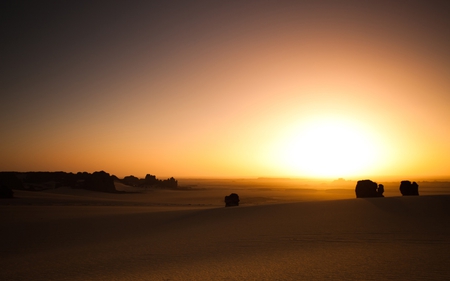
{"points": [[282, 89]]}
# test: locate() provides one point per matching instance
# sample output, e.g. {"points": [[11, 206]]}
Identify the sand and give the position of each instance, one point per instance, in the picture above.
{"points": [[188, 235]]}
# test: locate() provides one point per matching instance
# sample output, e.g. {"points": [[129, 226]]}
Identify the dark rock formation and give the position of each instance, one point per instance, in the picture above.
{"points": [[6, 192], [10, 180], [100, 181], [45, 180], [37, 181], [131, 181], [368, 188], [380, 190], [232, 200], [407, 188], [150, 181], [169, 183], [97, 181]]}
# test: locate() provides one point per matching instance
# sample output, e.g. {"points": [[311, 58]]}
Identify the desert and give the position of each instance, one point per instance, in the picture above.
{"points": [[225, 140], [278, 232]]}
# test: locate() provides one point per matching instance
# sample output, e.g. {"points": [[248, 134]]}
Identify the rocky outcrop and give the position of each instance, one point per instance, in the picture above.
{"points": [[169, 183], [232, 200], [97, 181], [37, 181], [407, 188], [10, 180], [131, 181], [368, 188], [380, 190], [6, 192], [150, 181], [100, 181]]}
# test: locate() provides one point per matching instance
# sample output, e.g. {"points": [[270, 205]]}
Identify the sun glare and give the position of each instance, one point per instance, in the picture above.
{"points": [[328, 148]]}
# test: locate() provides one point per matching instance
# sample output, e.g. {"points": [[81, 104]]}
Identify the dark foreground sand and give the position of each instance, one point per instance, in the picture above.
{"points": [[394, 238]]}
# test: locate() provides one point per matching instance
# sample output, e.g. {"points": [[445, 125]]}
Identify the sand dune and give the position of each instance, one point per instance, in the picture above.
{"points": [[404, 238]]}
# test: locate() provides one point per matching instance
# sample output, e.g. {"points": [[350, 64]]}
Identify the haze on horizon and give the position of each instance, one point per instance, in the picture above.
{"points": [[226, 89]]}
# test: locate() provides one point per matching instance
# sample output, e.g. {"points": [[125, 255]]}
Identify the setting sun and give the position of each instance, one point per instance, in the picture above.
{"points": [[328, 147]]}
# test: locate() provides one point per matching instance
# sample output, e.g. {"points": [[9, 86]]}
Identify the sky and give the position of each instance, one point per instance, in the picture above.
{"points": [[331, 89]]}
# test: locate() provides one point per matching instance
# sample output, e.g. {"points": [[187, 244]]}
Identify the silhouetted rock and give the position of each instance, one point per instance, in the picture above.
{"points": [[48, 180], [131, 180], [414, 188], [11, 180], [368, 188], [6, 192], [232, 200], [100, 181], [407, 188], [97, 181], [150, 179], [170, 183], [380, 190]]}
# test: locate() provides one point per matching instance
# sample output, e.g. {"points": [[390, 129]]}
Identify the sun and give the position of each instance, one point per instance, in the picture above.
{"points": [[327, 148]]}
